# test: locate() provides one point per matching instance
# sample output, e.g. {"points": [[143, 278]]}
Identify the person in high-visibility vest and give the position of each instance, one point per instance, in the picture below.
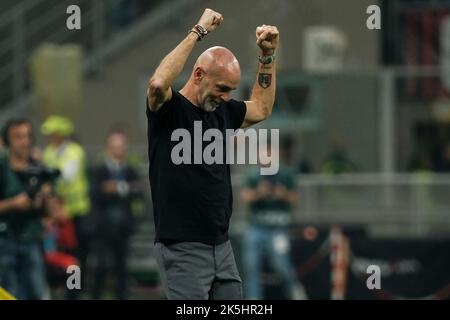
{"points": [[69, 157]]}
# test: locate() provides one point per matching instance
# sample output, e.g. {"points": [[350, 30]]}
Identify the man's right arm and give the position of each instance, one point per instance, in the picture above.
{"points": [[19, 202], [159, 86]]}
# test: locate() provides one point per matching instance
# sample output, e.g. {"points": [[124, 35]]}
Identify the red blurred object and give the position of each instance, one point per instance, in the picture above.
{"points": [[60, 260], [67, 238]]}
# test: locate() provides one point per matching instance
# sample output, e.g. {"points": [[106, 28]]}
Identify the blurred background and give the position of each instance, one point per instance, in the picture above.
{"points": [[364, 119]]}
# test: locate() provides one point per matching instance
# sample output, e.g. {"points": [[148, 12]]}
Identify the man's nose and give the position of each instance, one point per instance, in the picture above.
{"points": [[225, 96]]}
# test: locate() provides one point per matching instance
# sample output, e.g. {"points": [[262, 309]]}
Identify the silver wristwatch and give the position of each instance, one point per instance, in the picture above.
{"points": [[266, 59]]}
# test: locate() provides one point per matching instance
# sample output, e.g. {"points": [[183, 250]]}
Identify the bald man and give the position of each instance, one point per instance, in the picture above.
{"points": [[193, 201]]}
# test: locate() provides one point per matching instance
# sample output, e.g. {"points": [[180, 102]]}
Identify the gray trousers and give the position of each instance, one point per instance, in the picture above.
{"points": [[198, 271]]}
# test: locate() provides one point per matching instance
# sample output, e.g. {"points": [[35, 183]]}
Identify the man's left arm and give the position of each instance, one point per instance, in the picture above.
{"points": [[262, 99]]}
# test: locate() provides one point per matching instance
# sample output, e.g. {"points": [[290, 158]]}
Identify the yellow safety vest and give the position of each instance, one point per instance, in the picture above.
{"points": [[75, 193]]}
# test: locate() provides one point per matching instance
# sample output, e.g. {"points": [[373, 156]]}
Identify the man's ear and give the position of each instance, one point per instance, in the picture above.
{"points": [[198, 75]]}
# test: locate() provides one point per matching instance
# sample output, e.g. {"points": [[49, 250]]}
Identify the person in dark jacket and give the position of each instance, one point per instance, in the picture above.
{"points": [[115, 187]]}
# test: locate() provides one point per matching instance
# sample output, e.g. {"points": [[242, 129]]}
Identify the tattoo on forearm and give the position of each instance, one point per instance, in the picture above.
{"points": [[264, 80]]}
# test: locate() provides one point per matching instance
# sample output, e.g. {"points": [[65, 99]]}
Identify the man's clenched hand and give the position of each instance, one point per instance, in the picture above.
{"points": [[267, 39], [210, 20]]}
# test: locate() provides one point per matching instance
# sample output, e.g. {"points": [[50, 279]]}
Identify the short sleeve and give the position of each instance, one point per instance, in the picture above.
{"points": [[236, 111], [164, 111]]}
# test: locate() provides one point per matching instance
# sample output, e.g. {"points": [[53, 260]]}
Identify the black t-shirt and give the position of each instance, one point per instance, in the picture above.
{"points": [[191, 202]]}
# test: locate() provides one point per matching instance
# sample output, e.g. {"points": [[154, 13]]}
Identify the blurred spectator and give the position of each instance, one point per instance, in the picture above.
{"points": [[25, 196], [68, 156], [114, 187], [271, 200], [287, 146], [304, 166], [59, 240], [337, 161]]}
